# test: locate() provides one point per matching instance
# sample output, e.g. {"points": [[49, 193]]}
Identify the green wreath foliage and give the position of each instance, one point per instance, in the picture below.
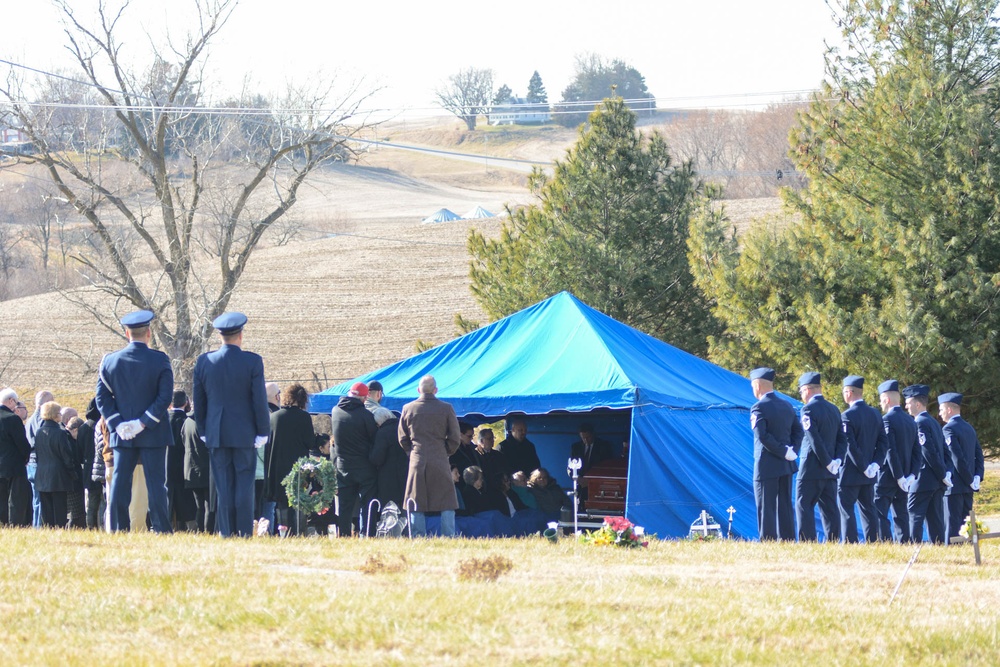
{"points": [[311, 485]]}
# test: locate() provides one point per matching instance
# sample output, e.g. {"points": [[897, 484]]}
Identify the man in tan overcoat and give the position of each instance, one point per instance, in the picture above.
{"points": [[428, 431]]}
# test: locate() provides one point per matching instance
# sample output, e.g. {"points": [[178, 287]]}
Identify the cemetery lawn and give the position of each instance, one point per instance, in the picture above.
{"points": [[80, 598]]}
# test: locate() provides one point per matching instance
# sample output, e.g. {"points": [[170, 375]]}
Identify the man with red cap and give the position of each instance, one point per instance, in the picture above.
{"points": [[353, 428]]}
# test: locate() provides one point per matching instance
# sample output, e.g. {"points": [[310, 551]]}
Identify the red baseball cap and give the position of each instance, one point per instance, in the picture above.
{"points": [[358, 390]]}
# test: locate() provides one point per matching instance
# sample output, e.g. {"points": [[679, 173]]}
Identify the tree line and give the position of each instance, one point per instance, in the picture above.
{"points": [[471, 92], [890, 266]]}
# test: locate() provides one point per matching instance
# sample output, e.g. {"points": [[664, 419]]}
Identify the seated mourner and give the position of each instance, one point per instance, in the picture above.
{"points": [[548, 494]]}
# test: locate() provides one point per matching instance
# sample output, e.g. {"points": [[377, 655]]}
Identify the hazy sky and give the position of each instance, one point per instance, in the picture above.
{"points": [[692, 49]]}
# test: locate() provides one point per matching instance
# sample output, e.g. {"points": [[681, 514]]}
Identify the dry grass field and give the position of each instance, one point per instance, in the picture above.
{"points": [[80, 598], [359, 286]]}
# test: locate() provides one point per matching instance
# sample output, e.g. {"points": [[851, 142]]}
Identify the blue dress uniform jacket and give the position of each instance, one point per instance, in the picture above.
{"points": [[824, 439], [902, 459], [230, 409], [775, 428], [137, 382], [230, 400], [866, 444], [926, 501], [965, 456]]}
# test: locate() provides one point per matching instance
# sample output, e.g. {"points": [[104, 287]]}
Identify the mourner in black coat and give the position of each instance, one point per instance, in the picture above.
{"points": [[58, 467], [291, 438], [392, 463]]}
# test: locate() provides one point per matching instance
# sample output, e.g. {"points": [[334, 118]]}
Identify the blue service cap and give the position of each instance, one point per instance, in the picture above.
{"points": [[138, 319], [762, 374], [230, 323], [810, 377], [888, 385], [855, 381], [915, 390], [950, 397]]}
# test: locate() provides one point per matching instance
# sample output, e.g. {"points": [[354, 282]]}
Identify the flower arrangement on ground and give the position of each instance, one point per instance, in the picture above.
{"points": [[617, 531], [981, 528], [311, 485]]}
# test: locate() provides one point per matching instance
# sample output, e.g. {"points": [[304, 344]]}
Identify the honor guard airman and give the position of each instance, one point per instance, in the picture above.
{"points": [[824, 444], [926, 501], [134, 388], [230, 409], [899, 469], [866, 445], [777, 436], [966, 457]]}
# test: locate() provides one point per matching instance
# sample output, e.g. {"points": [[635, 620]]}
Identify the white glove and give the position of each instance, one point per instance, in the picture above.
{"points": [[789, 454], [975, 483], [947, 479], [124, 431], [137, 427], [832, 467], [911, 481], [840, 464], [903, 484], [259, 441], [871, 470]]}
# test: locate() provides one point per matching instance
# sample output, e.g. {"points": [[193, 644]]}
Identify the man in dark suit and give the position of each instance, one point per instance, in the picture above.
{"points": [[966, 457], [824, 443], [519, 453], [899, 469], [866, 445], [777, 436], [590, 449], [230, 408], [134, 388], [14, 452], [180, 499], [926, 501]]}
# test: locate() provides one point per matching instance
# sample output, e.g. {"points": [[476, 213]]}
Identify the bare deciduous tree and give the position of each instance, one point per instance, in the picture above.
{"points": [[161, 162], [468, 94]]}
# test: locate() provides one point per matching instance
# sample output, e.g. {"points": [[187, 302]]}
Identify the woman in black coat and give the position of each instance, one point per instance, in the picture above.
{"points": [[291, 438], [58, 467]]}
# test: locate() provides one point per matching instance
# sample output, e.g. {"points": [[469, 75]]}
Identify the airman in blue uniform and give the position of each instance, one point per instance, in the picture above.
{"points": [[899, 469], [866, 445], [966, 457], [777, 436], [230, 409], [134, 388], [824, 443], [926, 501]]}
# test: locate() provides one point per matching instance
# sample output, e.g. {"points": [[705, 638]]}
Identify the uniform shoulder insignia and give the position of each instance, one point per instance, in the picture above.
{"points": [[806, 422], [753, 421], [886, 427], [947, 441], [922, 438]]}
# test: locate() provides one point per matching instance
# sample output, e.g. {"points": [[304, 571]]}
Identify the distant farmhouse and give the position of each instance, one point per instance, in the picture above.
{"points": [[14, 141], [518, 111]]}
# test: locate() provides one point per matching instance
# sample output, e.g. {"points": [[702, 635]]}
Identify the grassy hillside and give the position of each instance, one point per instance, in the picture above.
{"points": [[73, 598]]}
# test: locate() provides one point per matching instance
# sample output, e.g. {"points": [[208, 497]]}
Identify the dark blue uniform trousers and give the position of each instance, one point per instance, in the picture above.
{"points": [[959, 505], [895, 498], [863, 495], [155, 471], [808, 494], [775, 519], [927, 505], [233, 469]]}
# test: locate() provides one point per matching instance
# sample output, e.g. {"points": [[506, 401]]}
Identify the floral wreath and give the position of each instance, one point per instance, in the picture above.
{"points": [[311, 485]]}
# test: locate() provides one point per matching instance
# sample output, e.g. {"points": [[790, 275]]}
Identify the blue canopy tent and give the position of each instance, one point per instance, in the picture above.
{"points": [[687, 419]]}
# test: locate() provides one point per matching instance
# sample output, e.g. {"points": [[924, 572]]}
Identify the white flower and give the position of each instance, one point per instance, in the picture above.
{"points": [[639, 531]]}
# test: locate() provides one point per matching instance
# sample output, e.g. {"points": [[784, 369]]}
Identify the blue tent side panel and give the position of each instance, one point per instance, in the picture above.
{"points": [[685, 461]]}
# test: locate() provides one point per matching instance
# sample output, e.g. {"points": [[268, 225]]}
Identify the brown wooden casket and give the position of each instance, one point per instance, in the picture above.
{"points": [[605, 484]]}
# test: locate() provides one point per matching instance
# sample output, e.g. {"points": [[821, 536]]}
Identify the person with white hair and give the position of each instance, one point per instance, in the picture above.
{"points": [[429, 433], [14, 452]]}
